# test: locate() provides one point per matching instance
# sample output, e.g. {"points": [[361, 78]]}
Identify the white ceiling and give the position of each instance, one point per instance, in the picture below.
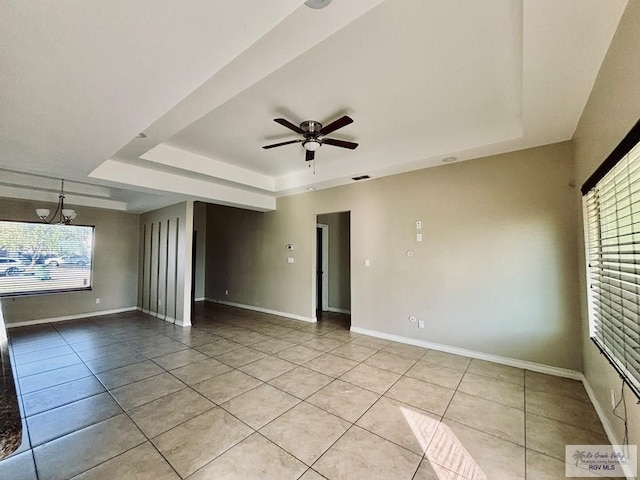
{"points": [[422, 79]]}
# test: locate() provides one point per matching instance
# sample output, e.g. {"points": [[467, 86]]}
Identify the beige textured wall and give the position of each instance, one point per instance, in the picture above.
{"points": [[115, 267], [496, 272], [613, 108], [165, 262], [339, 259]]}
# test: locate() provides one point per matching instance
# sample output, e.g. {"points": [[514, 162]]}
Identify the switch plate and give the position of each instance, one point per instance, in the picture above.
{"points": [[418, 237], [420, 323], [291, 260], [367, 262], [418, 225], [97, 300]]}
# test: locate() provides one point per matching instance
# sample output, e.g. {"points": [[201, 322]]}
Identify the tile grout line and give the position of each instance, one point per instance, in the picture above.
{"points": [[130, 419], [168, 335], [353, 424], [216, 405], [262, 383]]}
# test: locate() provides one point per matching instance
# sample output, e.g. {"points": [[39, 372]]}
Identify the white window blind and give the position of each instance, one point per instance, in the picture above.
{"points": [[38, 258], [612, 229]]}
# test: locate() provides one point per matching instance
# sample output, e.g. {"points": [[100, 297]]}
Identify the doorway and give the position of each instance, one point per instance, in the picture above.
{"points": [[322, 268], [333, 266]]}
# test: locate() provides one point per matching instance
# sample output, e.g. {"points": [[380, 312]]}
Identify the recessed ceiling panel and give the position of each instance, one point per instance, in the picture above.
{"points": [[419, 78]]}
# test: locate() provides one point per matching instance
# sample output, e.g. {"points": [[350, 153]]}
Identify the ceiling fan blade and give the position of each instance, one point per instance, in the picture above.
{"points": [[339, 143], [333, 126], [266, 147], [289, 125], [310, 155]]}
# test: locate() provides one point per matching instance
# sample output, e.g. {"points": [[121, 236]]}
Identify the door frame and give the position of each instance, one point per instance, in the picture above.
{"points": [[325, 267]]}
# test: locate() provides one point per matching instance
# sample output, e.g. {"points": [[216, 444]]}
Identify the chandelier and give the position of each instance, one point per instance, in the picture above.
{"points": [[66, 215]]}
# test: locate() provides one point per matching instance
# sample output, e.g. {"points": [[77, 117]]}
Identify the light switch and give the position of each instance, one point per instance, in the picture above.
{"points": [[420, 323], [291, 260], [367, 262], [418, 225], [418, 237]]}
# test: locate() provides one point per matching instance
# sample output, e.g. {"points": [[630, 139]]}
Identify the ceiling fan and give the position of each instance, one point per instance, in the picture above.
{"points": [[312, 135]]}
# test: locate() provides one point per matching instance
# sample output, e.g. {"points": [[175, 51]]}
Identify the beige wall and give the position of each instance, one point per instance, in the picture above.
{"points": [[115, 266], [242, 249], [613, 108], [339, 259], [496, 272], [164, 287]]}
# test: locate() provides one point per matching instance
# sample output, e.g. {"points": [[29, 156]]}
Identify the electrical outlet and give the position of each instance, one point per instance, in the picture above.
{"points": [[97, 301], [418, 237], [420, 323], [418, 225], [226, 292]]}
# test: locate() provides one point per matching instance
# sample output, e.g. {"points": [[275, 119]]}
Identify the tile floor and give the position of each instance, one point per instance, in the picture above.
{"points": [[244, 395]]}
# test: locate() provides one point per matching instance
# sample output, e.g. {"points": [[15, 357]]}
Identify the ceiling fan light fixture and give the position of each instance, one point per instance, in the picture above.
{"points": [[311, 145], [317, 3]]}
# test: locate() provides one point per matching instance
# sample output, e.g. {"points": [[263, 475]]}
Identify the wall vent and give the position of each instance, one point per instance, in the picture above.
{"points": [[361, 177]]}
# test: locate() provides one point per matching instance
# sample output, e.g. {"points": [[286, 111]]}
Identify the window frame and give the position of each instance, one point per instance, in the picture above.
{"points": [[60, 290], [602, 320]]}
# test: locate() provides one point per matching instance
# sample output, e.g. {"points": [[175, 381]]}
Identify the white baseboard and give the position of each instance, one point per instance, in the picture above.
{"points": [[264, 310], [512, 362], [199, 299], [70, 317], [339, 310]]}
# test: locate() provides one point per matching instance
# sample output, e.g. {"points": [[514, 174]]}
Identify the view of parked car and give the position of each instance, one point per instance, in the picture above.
{"points": [[79, 260], [10, 266], [52, 260]]}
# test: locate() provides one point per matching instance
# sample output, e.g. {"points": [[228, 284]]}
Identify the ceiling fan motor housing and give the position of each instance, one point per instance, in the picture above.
{"points": [[311, 130], [311, 126]]}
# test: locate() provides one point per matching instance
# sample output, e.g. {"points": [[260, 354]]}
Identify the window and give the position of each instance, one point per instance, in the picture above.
{"points": [[37, 258], [611, 200]]}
